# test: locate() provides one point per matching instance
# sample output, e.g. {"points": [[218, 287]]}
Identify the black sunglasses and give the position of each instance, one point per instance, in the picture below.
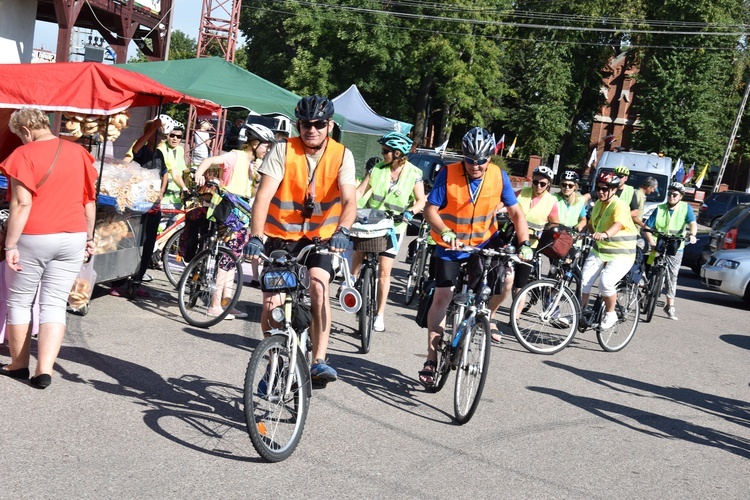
{"points": [[386, 151], [475, 161], [179, 136], [566, 185], [674, 193], [540, 183], [603, 188], [318, 124]]}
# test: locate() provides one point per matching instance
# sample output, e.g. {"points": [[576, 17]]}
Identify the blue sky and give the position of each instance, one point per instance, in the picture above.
{"points": [[187, 15]]}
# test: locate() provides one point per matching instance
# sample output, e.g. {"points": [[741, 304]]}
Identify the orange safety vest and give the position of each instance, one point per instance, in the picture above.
{"points": [[473, 223], [285, 219]]}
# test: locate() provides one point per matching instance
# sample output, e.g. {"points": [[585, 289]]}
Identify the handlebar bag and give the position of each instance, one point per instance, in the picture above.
{"points": [[555, 242]]}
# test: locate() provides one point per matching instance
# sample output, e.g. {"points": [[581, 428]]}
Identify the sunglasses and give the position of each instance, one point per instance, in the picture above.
{"points": [[318, 124], [475, 161], [567, 186], [540, 183], [674, 194], [386, 151], [176, 136], [602, 188]]}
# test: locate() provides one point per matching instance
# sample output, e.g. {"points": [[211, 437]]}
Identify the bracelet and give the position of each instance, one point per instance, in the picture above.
{"points": [[90, 239], [8, 249]]}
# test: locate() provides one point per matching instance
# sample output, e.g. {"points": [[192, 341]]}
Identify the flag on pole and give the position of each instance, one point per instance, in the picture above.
{"points": [[592, 159], [512, 147], [701, 176], [676, 167], [500, 144], [680, 174], [441, 148], [690, 174]]}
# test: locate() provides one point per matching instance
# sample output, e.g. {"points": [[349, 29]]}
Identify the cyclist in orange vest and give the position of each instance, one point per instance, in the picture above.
{"points": [[307, 190], [461, 209]]}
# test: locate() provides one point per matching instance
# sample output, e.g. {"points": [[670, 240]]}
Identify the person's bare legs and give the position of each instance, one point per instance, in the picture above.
{"points": [[50, 339], [384, 282], [270, 302], [436, 324], [19, 341], [320, 329]]}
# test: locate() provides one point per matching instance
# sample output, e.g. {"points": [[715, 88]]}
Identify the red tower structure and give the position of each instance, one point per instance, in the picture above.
{"points": [[217, 36]]}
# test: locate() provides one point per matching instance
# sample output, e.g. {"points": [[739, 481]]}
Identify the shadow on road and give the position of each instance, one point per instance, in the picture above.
{"points": [[742, 341], [653, 424], [200, 414]]}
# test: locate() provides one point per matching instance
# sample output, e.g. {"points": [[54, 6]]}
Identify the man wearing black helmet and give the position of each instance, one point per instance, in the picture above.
{"points": [[306, 191]]}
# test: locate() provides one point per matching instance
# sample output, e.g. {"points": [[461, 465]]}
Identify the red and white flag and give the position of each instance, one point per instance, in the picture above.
{"points": [[500, 144]]}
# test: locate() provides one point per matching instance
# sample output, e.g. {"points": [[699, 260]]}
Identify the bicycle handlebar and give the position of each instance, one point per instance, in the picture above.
{"points": [[507, 252]]}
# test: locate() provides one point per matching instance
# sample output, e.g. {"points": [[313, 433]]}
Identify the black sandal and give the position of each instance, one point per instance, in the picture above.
{"points": [[427, 375]]}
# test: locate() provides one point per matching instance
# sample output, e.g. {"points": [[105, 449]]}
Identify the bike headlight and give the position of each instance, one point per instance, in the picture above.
{"points": [[485, 294], [278, 314]]}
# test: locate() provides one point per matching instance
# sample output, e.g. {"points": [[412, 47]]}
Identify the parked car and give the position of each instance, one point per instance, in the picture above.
{"points": [[692, 255], [430, 163], [730, 231], [728, 271], [717, 204]]}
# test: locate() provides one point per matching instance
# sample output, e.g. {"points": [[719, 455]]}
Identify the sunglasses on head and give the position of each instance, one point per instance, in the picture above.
{"points": [[318, 124], [475, 161], [567, 185], [602, 188], [177, 136], [540, 183]]}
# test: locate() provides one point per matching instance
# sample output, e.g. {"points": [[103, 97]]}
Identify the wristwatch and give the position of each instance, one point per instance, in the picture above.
{"points": [[343, 231], [526, 243]]}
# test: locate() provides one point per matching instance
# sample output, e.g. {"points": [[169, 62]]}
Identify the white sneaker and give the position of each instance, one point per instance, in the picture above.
{"points": [[671, 312], [609, 320], [379, 324]]}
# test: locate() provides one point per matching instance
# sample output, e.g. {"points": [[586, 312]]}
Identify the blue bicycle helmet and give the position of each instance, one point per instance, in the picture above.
{"points": [[396, 141]]}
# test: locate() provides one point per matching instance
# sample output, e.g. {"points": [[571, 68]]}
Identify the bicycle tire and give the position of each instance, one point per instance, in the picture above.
{"points": [[369, 306], [275, 423], [199, 282], [444, 355], [537, 325], [414, 280], [171, 260], [628, 314], [654, 290], [471, 373]]}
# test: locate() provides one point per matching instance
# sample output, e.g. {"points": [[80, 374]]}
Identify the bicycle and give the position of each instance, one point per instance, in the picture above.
{"points": [[214, 269], [369, 235], [552, 314], [420, 264], [666, 245], [278, 384], [465, 343]]}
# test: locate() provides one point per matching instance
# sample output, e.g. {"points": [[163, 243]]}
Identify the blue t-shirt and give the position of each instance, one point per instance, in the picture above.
{"points": [[437, 198]]}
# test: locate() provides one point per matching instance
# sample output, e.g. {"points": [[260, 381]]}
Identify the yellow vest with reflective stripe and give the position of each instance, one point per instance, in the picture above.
{"points": [[627, 194], [569, 215], [538, 215], [382, 197], [674, 223], [623, 244]]}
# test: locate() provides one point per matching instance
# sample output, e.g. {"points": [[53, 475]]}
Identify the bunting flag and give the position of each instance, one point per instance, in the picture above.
{"points": [[500, 144], [441, 148], [592, 159], [512, 147], [680, 174], [701, 176], [690, 174], [676, 167]]}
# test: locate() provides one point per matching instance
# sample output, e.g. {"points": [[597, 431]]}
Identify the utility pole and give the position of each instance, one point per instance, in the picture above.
{"points": [[728, 150]]}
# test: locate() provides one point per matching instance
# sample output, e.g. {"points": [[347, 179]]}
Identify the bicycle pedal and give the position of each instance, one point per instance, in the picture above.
{"points": [[319, 384]]}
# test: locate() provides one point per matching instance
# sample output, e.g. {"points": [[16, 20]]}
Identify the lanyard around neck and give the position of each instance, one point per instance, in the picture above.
{"points": [[475, 194]]}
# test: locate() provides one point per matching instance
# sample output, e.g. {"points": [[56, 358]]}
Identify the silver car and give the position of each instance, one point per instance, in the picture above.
{"points": [[728, 271]]}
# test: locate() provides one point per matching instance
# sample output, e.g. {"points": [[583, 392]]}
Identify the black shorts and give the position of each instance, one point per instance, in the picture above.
{"points": [[314, 259], [448, 271]]}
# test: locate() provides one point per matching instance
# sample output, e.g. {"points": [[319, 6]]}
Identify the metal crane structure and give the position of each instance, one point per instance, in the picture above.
{"points": [[217, 36]]}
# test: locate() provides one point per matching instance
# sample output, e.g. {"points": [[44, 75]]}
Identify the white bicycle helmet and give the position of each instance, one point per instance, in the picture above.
{"points": [[259, 132], [544, 171], [677, 186], [168, 123], [478, 144]]}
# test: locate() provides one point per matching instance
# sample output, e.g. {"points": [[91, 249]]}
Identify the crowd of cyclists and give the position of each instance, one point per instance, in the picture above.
{"points": [[305, 190]]}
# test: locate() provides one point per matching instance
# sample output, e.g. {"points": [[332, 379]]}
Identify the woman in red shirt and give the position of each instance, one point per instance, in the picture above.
{"points": [[49, 231]]}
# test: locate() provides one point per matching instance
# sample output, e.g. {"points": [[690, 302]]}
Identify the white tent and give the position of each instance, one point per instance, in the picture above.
{"points": [[363, 126]]}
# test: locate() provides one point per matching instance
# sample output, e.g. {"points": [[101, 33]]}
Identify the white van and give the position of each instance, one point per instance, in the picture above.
{"points": [[641, 165], [279, 123]]}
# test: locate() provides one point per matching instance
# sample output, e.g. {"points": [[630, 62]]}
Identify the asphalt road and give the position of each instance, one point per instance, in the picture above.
{"points": [[144, 406]]}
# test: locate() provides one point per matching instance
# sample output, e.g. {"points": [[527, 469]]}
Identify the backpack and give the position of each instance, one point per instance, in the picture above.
{"points": [[425, 302]]}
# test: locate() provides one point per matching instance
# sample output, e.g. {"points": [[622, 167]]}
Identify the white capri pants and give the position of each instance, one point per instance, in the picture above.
{"points": [[611, 273], [52, 261]]}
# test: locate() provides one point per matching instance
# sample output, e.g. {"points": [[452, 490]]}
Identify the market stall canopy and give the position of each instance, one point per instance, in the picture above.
{"points": [[85, 88], [220, 81], [361, 118]]}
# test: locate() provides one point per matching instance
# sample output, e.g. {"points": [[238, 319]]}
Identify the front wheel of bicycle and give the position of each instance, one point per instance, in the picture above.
{"points": [[544, 316], [628, 313], [654, 290], [274, 417], [414, 280], [472, 370], [367, 311], [210, 287], [172, 262]]}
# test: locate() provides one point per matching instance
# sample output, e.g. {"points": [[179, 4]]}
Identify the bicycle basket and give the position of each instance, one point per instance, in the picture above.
{"points": [[555, 242], [369, 232], [230, 210]]}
